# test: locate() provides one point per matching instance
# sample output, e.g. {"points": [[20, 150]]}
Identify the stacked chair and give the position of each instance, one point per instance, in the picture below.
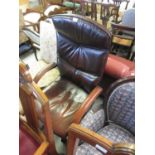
{"points": [[123, 35]]}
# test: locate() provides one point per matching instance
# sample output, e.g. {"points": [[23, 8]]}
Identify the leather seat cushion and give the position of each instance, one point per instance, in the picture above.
{"points": [[27, 145], [65, 98], [113, 132]]}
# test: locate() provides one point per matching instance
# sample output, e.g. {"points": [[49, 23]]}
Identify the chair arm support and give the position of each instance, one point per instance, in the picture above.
{"points": [[42, 148], [77, 131], [87, 104], [43, 71], [121, 27], [32, 11]]}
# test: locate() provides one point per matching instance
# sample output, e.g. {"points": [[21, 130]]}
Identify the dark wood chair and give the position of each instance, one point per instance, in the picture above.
{"points": [[75, 91], [123, 35], [111, 9], [33, 138], [112, 133]]}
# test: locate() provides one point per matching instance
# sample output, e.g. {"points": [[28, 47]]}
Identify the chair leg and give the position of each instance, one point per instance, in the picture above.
{"points": [[35, 53], [64, 140]]}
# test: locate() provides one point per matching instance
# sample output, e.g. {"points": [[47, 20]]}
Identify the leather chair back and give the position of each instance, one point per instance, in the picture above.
{"points": [[82, 48], [121, 104]]}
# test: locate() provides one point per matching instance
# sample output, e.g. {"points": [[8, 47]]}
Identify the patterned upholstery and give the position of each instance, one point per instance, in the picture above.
{"points": [[87, 149], [121, 110], [116, 134], [121, 106], [48, 41], [112, 132], [93, 120]]}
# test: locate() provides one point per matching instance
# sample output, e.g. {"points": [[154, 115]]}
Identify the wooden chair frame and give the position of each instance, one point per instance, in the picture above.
{"points": [[120, 28], [28, 91], [34, 45]]}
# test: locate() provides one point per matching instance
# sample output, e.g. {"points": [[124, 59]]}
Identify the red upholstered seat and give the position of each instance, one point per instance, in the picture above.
{"points": [[27, 145]]}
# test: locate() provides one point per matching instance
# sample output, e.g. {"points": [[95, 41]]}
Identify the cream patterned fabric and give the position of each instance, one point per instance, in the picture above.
{"points": [[48, 42]]}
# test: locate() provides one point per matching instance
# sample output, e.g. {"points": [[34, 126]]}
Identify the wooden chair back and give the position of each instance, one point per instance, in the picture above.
{"points": [[29, 93]]}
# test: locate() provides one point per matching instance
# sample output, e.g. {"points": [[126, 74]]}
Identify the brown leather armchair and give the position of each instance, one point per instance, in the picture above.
{"points": [[82, 48]]}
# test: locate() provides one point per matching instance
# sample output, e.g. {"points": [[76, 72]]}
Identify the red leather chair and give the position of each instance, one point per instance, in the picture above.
{"points": [[117, 68]]}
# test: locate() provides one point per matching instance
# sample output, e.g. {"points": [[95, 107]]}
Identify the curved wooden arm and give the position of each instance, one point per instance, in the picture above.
{"points": [[121, 27], [99, 142], [34, 25], [42, 148], [30, 24], [32, 11], [125, 149], [77, 131], [87, 104], [43, 71]]}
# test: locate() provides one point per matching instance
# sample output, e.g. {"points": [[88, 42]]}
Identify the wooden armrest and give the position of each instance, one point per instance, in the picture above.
{"points": [[121, 27], [77, 131], [43, 71], [124, 37], [30, 24], [99, 142], [42, 148], [87, 104], [32, 11]]}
